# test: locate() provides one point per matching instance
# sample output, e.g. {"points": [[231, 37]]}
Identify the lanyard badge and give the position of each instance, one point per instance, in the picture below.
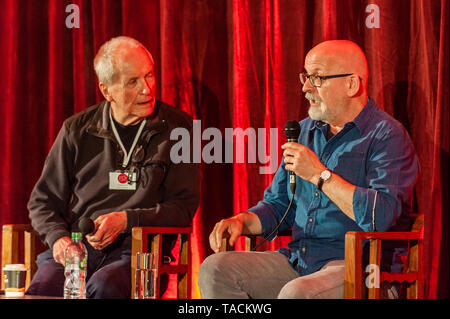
{"points": [[122, 179]]}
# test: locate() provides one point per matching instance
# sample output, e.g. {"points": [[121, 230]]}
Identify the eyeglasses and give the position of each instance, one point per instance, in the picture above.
{"points": [[316, 80]]}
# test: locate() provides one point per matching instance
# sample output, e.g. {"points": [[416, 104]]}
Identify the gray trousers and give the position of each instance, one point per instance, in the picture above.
{"points": [[266, 275]]}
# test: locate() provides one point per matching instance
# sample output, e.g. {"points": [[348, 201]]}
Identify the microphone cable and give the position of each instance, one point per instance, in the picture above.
{"points": [[279, 224]]}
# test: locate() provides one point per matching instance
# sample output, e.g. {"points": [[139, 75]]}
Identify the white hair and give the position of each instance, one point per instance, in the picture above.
{"points": [[105, 62]]}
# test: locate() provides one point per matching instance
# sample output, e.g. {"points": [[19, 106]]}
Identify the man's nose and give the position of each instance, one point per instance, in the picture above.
{"points": [[146, 88], [307, 87]]}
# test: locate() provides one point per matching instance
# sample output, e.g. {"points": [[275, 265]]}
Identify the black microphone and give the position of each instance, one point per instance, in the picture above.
{"points": [[86, 226], [292, 131]]}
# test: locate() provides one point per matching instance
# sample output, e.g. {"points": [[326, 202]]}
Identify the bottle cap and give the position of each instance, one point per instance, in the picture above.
{"points": [[76, 236]]}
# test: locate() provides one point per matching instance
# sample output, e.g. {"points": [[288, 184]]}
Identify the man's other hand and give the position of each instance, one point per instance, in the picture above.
{"points": [[230, 227], [59, 249], [246, 223]]}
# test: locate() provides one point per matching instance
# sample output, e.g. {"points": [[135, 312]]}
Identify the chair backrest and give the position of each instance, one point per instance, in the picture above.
{"points": [[418, 223]]}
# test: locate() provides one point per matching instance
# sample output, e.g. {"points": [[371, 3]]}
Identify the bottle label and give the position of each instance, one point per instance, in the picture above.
{"points": [[83, 263]]}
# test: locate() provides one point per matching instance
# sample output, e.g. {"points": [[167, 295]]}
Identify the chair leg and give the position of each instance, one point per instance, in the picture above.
{"points": [[374, 260], [30, 253], [138, 244], [353, 265], [156, 247], [184, 280]]}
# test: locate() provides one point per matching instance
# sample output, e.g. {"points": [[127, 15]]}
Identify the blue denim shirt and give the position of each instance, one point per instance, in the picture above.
{"points": [[374, 153]]}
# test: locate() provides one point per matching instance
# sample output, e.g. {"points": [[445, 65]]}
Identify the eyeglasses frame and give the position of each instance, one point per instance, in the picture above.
{"points": [[322, 77]]}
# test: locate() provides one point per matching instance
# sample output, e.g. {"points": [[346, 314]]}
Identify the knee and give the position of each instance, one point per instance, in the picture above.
{"points": [[295, 289], [108, 285], [48, 280], [209, 269], [212, 270]]}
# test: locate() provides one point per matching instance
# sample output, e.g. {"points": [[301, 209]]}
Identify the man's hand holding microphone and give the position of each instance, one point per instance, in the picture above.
{"points": [[99, 233]]}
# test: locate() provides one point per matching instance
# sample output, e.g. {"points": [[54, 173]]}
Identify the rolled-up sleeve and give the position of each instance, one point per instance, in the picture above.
{"points": [[392, 169]]}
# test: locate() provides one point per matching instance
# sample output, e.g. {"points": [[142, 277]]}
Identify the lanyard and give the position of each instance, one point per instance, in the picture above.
{"points": [[126, 156]]}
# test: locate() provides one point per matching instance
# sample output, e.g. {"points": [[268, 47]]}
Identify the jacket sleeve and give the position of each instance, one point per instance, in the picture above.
{"points": [[51, 194]]}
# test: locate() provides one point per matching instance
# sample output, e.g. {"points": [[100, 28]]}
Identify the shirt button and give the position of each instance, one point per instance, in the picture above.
{"points": [[310, 220], [304, 250], [316, 194]]}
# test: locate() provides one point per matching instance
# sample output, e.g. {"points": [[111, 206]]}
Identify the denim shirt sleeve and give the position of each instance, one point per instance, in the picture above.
{"points": [[276, 200], [392, 167]]}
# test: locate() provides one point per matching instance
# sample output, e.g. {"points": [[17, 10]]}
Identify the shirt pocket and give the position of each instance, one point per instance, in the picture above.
{"points": [[350, 166]]}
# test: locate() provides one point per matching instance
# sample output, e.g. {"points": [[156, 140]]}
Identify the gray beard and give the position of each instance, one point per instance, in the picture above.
{"points": [[318, 113]]}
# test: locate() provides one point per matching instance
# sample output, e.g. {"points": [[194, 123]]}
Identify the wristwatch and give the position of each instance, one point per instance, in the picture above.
{"points": [[324, 176]]}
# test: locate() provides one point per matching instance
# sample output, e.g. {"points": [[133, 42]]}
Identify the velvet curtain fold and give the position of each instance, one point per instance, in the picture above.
{"points": [[230, 64]]}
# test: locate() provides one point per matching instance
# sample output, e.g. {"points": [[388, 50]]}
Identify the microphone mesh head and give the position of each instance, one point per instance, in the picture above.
{"points": [[86, 225], [292, 130]]}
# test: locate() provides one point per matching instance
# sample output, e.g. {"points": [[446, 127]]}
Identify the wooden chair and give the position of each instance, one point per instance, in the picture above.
{"points": [[149, 239], [354, 284], [14, 236]]}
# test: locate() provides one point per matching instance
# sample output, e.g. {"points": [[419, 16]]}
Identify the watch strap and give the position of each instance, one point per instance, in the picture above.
{"points": [[320, 184], [324, 176]]}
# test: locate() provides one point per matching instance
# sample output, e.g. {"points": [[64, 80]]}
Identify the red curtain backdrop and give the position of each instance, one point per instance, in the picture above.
{"points": [[230, 64]]}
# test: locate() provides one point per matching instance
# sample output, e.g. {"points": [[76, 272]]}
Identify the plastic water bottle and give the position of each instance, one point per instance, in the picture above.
{"points": [[75, 269]]}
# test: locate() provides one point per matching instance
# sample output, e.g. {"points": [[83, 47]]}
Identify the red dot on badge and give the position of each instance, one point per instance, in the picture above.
{"points": [[122, 178]]}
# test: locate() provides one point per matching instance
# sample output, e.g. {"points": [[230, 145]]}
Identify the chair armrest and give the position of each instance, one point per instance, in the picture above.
{"points": [[251, 240], [384, 235], [165, 230], [17, 227]]}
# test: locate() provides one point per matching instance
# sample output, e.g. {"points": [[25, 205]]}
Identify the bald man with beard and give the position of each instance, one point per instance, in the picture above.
{"points": [[355, 170]]}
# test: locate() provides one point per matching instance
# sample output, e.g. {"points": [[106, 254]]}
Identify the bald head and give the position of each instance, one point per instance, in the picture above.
{"points": [[341, 93], [340, 56]]}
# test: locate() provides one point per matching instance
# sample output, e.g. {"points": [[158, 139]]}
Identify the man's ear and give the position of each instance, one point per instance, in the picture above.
{"points": [[105, 91], [353, 85]]}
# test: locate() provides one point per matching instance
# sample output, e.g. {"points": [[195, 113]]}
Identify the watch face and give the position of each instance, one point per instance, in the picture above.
{"points": [[325, 175]]}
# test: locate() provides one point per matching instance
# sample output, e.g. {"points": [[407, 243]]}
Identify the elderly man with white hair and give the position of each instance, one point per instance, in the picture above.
{"points": [[111, 163]]}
